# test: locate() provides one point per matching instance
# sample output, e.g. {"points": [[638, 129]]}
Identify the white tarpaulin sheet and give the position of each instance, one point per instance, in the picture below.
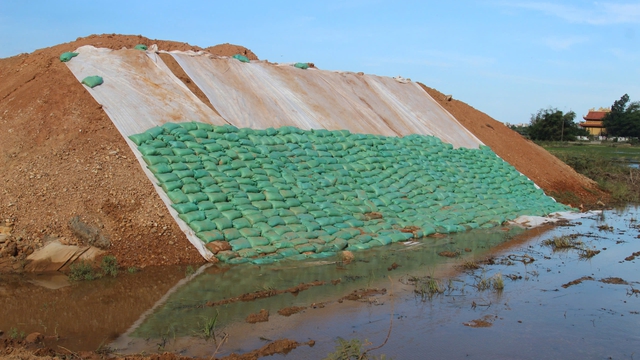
{"points": [[261, 95], [139, 91]]}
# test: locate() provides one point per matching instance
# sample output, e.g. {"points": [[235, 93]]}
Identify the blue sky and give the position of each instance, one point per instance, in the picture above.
{"points": [[506, 58]]}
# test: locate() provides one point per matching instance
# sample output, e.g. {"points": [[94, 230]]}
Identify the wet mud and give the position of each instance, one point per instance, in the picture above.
{"points": [[510, 288]]}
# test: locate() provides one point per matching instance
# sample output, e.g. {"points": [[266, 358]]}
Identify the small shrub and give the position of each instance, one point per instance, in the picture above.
{"points": [[189, 270], [132, 270], [82, 270], [15, 335], [109, 265], [562, 242]]}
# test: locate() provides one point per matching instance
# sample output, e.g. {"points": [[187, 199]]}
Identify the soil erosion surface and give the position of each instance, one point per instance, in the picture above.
{"points": [[66, 171]]}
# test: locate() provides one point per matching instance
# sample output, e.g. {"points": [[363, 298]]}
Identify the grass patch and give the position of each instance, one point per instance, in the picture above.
{"points": [[14, 334], [588, 253], [605, 165], [82, 270], [109, 266], [426, 287], [495, 282], [352, 349], [563, 242], [208, 329]]}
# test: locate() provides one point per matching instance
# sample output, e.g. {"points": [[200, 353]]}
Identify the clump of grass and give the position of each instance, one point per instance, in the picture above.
{"points": [[427, 287], [470, 265], [132, 270], [82, 270], [495, 282], [209, 327], [109, 266], [562, 242], [588, 253], [352, 349], [14, 334], [189, 270]]}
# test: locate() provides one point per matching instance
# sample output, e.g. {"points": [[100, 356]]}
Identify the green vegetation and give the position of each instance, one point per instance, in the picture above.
{"points": [[82, 270], [15, 334], [189, 271], [624, 118], [606, 165], [563, 242], [495, 282], [553, 125], [109, 265], [351, 349], [208, 329]]}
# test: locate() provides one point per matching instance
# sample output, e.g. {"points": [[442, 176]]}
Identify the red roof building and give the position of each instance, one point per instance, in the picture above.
{"points": [[593, 122]]}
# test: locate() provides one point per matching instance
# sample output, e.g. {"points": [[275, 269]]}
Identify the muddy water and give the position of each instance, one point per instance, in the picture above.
{"points": [[533, 317]]}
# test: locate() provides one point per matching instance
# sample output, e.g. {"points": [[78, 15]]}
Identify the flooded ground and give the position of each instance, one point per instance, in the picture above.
{"points": [[425, 299]]}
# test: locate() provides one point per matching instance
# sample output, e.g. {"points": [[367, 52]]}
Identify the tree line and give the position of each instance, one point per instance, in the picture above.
{"points": [[552, 124]]}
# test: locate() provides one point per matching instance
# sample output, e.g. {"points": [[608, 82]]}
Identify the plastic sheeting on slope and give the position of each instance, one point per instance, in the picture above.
{"points": [[261, 95], [139, 91]]}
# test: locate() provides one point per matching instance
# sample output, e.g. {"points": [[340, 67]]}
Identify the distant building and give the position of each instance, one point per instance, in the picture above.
{"points": [[593, 122]]}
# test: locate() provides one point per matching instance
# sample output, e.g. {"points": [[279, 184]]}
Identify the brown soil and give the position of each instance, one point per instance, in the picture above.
{"points": [[262, 316], [22, 350], [577, 281], [483, 322], [614, 280], [449, 254], [288, 311], [632, 256], [363, 294], [61, 157], [266, 293], [552, 175]]}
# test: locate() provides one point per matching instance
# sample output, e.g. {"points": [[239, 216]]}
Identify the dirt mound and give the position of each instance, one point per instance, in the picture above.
{"points": [[230, 50], [552, 175], [62, 158]]}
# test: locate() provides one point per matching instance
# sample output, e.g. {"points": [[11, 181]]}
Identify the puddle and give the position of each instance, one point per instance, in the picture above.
{"points": [[534, 315]]}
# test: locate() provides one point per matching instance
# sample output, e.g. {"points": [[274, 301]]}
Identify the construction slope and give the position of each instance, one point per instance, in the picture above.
{"points": [[62, 157]]}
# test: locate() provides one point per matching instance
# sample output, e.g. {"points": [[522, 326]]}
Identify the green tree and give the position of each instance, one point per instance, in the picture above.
{"points": [[553, 125], [624, 118]]}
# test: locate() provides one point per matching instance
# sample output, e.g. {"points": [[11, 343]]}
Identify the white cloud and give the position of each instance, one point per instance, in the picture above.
{"points": [[598, 13], [563, 43]]}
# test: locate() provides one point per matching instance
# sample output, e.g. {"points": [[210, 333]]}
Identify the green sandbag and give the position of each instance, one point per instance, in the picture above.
{"points": [[140, 47], [256, 218], [206, 205], [302, 66], [241, 58], [259, 241], [192, 216], [202, 225], [178, 197], [247, 253], [216, 197], [92, 81], [191, 188], [263, 260], [66, 56], [222, 223], [241, 223], [161, 168], [305, 248], [287, 252], [239, 244], [171, 185], [197, 197], [209, 236], [185, 207], [250, 232], [227, 256], [140, 139], [212, 213], [232, 214], [231, 234]]}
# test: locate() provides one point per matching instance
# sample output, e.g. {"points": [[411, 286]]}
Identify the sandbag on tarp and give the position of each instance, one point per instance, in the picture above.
{"points": [[66, 56], [273, 199], [92, 81]]}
